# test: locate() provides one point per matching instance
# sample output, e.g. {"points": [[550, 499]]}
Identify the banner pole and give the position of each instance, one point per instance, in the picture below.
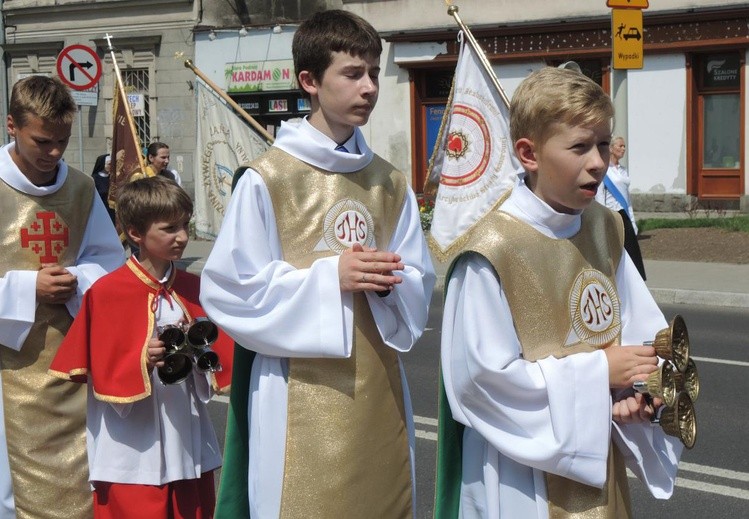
{"points": [[128, 113], [247, 117], [452, 10]]}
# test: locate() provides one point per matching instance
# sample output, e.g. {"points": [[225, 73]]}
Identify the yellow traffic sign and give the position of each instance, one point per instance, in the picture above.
{"points": [[628, 4], [627, 36]]}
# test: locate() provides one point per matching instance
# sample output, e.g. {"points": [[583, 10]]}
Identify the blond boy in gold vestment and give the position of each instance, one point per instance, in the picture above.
{"points": [[544, 324]]}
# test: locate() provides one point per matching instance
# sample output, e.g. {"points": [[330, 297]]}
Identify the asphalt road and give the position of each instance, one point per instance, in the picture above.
{"points": [[713, 480]]}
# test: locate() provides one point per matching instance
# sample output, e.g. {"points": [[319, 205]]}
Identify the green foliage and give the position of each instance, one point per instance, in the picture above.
{"points": [[732, 223]]}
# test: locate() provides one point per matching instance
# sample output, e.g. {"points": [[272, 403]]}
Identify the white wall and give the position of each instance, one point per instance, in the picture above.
{"points": [[656, 147]]}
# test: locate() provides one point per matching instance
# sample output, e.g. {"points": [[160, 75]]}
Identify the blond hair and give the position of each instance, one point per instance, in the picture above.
{"points": [[554, 95], [44, 97], [147, 200]]}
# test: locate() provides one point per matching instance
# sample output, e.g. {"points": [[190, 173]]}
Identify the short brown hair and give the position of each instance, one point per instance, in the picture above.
{"points": [[44, 97], [553, 95], [147, 200], [331, 31]]}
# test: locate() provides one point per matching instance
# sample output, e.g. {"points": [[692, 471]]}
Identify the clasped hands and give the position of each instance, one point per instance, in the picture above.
{"points": [[54, 284], [365, 268], [628, 364]]}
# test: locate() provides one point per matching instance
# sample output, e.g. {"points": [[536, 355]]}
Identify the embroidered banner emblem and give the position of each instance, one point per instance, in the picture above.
{"points": [[348, 222], [47, 237], [594, 308]]}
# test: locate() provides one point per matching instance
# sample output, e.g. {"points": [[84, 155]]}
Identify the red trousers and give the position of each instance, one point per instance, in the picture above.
{"points": [[184, 499]]}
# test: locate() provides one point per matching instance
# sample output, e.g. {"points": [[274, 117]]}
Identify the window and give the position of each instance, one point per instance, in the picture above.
{"points": [[716, 130], [136, 81]]}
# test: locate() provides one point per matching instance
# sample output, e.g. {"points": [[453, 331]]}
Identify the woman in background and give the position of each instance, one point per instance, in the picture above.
{"points": [[614, 194], [157, 154]]}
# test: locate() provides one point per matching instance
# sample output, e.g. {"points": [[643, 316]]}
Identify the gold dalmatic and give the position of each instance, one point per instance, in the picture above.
{"points": [[45, 417], [347, 452], [580, 283]]}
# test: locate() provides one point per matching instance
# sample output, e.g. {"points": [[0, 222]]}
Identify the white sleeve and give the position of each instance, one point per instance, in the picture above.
{"points": [[17, 307], [553, 415], [402, 315], [101, 252], [263, 302], [649, 452]]}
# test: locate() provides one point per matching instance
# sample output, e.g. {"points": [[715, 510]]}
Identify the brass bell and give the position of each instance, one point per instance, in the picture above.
{"points": [[689, 381], [680, 420], [660, 383], [672, 343]]}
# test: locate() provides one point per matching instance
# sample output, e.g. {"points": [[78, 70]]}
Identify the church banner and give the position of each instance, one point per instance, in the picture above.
{"points": [[225, 143], [473, 162], [127, 158]]}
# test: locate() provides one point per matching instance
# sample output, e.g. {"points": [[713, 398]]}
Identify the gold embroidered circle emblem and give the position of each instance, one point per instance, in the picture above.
{"points": [[346, 223], [468, 147], [594, 308]]}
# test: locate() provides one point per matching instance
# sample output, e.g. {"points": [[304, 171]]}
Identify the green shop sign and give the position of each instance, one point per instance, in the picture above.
{"points": [[260, 76]]}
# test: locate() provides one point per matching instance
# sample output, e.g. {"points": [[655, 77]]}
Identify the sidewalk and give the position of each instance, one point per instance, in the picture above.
{"points": [[670, 282]]}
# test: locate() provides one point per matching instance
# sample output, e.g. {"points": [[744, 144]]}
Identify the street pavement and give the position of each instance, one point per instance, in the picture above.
{"points": [[670, 282]]}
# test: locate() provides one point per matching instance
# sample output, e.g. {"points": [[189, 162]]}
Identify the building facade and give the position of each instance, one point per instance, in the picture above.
{"points": [[683, 113], [149, 38]]}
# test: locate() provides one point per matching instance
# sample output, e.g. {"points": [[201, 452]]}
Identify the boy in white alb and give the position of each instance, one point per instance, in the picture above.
{"points": [[544, 322], [303, 275], [151, 446]]}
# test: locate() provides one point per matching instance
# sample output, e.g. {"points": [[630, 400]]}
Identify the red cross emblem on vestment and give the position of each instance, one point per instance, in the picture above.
{"points": [[47, 237]]}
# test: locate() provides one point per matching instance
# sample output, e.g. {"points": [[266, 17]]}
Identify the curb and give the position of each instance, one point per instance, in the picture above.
{"points": [[677, 296]]}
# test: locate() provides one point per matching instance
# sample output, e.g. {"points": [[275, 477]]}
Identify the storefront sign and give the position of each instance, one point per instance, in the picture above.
{"points": [[722, 70], [137, 104], [278, 105], [260, 76]]}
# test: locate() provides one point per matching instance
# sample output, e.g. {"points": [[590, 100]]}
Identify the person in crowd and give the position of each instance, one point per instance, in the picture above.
{"points": [[100, 174], [151, 445], [58, 241], [157, 155], [614, 194], [545, 321], [321, 272]]}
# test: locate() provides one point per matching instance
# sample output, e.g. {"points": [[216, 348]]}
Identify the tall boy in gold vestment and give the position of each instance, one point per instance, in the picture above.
{"points": [[321, 273], [544, 323], [56, 241]]}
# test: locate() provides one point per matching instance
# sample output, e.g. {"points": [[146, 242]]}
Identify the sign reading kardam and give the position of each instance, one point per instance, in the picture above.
{"points": [[260, 76]]}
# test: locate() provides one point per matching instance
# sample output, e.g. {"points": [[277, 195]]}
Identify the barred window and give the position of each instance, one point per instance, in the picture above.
{"points": [[136, 81]]}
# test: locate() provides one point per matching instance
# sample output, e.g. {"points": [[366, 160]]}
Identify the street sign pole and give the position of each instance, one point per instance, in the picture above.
{"points": [[79, 67], [80, 137], [627, 43]]}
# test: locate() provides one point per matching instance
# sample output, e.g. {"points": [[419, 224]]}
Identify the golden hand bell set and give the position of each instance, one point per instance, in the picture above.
{"points": [[676, 383], [188, 344]]}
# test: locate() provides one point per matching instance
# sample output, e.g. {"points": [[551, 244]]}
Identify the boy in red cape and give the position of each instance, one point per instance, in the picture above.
{"points": [[151, 446]]}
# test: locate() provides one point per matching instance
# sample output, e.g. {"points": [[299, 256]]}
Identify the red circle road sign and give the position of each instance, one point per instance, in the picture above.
{"points": [[78, 67]]}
